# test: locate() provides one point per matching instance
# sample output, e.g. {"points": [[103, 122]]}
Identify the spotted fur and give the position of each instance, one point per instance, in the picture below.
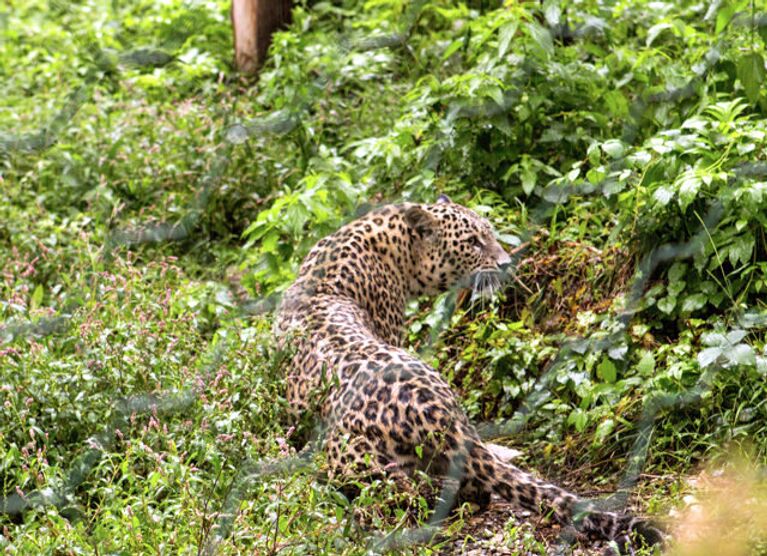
{"points": [[388, 413]]}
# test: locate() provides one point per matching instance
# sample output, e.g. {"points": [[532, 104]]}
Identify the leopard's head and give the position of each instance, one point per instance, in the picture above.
{"points": [[454, 246]]}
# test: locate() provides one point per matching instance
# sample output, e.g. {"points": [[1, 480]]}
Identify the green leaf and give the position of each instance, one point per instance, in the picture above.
{"points": [[596, 176], [689, 185], [735, 336], [501, 121], [556, 194], [616, 103], [283, 523], [675, 287], [667, 304], [618, 352], [677, 271], [542, 37], [452, 48], [593, 154], [607, 371], [646, 365], [724, 16], [528, 180], [529, 174], [270, 241], [153, 479], [716, 339], [694, 302], [496, 94], [614, 148], [740, 250], [505, 35], [663, 195], [37, 296], [603, 430], [742, 354], [708, 356], [552, 12], [579, 419], [509, 239], [751, 74], [656, 30]]}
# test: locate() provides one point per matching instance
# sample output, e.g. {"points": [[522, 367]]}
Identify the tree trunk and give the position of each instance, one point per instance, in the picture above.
{"points": [[253, 22]]}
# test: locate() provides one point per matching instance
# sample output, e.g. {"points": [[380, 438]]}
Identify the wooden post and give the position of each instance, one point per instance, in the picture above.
{"points": [[253, 22]]}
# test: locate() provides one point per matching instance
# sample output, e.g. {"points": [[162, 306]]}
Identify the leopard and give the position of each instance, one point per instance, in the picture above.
{"points": [[385, 412]]}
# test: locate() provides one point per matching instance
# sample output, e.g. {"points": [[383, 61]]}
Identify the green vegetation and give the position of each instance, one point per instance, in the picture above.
{"points": [[153, 204]]}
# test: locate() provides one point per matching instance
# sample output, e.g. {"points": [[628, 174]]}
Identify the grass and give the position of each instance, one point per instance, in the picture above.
{"points": [[144, 239]]}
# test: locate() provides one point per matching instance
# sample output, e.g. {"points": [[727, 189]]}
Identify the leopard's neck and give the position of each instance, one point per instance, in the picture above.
{"points": [[369, 261]]}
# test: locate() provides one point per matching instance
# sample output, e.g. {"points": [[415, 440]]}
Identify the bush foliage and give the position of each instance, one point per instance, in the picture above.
{"points": [[154, 203]]}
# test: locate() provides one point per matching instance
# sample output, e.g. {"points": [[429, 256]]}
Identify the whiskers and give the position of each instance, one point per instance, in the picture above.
{"points": [[485, 284]]}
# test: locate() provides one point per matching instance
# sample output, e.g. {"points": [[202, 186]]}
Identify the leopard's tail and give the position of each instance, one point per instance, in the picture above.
{"points": [[527, 492]]}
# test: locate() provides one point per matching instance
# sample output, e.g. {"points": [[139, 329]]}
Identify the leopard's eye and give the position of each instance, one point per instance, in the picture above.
{"points": [[477, 242]]}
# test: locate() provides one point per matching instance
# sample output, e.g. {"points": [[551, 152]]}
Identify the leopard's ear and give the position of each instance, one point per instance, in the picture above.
{"points": [[421, 222], [443, 199]]}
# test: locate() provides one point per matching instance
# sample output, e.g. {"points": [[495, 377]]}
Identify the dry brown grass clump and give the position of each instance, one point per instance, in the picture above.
{"points": [[726, 517], [555, 281]]}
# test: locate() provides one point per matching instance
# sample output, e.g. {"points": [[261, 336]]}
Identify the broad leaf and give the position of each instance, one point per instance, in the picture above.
{"points": [[505, 35], [735, 336], [542, 37], [667, 304], [579, 419], [741, 249], [689, 185], [603, 430], [646, 365], [742, 354], [751, 74], [694, 302], [708, 356], [663, 195], [607, 371]]}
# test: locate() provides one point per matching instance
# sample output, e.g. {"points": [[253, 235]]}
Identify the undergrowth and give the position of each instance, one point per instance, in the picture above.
{"points": [[154, 204]]}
